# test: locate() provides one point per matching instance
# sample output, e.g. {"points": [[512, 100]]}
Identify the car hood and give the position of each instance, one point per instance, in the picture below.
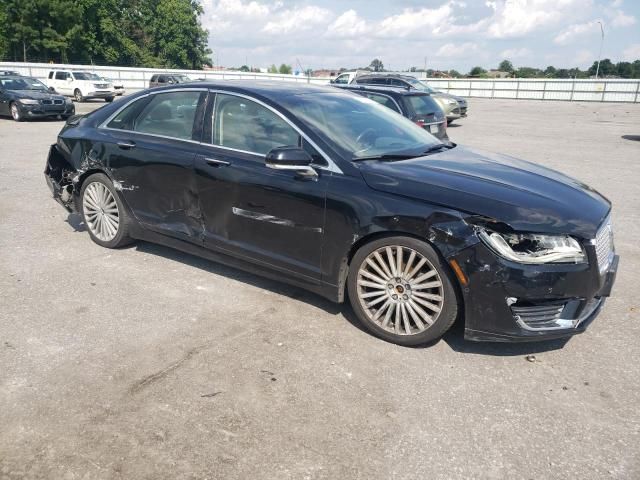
{"points": [[35, 95], [526, 196]]}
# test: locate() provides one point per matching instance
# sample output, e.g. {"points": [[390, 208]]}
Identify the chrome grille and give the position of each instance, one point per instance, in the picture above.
{"points": [[539, 316], [604, 245], [46, 102]]}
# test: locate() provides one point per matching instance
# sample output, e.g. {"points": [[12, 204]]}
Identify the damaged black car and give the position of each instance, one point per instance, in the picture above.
{"points": [[334, 193]]}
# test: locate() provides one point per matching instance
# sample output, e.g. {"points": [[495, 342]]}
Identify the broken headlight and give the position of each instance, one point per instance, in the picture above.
{"points": [[534, 248]]}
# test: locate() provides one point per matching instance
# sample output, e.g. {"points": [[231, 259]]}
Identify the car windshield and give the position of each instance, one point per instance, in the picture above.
{"points": [[422, 104], [181, 78], [22, 84], [359, 127], [85, 76]]}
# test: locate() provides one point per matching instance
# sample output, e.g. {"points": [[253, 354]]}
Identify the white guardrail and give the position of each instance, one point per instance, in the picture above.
{"points": [[609, 90]]}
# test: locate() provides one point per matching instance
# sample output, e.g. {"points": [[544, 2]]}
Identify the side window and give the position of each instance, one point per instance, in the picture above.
{"points": [[397, 83], [50, 75], [383, 100], [342, 79], [242, 124], [170, 114], [61, 76], [162, 79], [154, 78]]}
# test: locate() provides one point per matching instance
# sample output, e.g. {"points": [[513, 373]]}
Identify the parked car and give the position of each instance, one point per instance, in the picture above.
{"points": [[454, 107], [80, 85], [25, 98], [331, 192], [419, 107], [346, 78], [118, 85], [9, 73], [162, 79]]}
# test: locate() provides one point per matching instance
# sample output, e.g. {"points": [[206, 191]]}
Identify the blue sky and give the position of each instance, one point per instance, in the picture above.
{"points": [[448, 33]]}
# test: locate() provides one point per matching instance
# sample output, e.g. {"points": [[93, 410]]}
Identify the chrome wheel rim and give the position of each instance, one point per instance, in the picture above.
{"points": [[400, 290], [101, 211], [14, 112]]}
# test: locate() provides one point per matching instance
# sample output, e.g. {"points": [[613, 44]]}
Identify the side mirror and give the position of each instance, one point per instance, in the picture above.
{"points": [[291, 158], [69, 79]]}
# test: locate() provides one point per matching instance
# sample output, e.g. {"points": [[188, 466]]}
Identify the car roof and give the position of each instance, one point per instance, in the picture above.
{"points": [[386, 89], [389, 75], [273, 90]]}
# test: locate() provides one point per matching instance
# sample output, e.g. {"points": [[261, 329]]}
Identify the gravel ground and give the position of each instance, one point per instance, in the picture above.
{"points": [[146, 363]]}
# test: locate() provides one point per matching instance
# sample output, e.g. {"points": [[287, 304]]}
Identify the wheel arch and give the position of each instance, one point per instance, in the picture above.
{"points": [[373, 236]]}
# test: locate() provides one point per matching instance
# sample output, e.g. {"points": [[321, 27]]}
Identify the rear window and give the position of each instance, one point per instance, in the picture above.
{"points": [[422, 104]]}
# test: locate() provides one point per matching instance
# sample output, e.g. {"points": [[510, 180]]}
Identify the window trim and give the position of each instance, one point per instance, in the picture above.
{"points": [[331, 165]]}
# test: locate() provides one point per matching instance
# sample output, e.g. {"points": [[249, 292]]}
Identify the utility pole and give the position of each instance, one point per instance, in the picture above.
{"points": [[600, 52]]}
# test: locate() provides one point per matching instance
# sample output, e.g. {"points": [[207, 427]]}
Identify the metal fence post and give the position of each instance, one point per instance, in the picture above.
{"points": [[517, 88], [544, 89], [573, 88], [603, 90], [635, 100]]}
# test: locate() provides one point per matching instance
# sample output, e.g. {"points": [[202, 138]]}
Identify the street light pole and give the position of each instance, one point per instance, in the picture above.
{"points": [[600, 52]]}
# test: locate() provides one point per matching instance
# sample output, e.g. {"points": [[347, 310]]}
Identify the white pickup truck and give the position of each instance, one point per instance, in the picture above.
{"points": [[80, 85]]}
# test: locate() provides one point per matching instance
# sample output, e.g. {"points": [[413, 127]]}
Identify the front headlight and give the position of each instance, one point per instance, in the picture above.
{"points": [[534, 248], [28, 101], [451, 101]]}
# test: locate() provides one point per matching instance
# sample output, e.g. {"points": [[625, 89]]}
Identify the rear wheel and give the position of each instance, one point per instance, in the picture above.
{"points": [[77, 94], [401, 291], [108, 99], [15, 113], [104, 214]]}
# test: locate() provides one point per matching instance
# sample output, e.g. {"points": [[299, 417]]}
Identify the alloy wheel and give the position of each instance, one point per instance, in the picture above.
{"points": [[400, 290], [15, 113], [101, 211]]}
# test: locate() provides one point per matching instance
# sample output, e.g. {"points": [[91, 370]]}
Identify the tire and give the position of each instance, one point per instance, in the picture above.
{"points": [[109, 99], [101, 208], [398, 320], [449, 122], [15, 112], [52, 90], [77, 95]]}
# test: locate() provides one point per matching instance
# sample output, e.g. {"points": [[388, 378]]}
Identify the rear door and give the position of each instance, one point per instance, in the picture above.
{"points": [[151, 153]]}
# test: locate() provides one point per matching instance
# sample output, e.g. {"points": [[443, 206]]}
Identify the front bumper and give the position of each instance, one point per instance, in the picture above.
{"points": [[45, 111], [511, 302], [101, 94]]}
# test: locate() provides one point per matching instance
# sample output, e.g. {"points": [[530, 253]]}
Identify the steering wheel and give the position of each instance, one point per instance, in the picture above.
{"points": [[367, 137]]}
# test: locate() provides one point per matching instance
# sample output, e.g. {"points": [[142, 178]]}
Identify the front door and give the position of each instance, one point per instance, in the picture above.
{"points": [[268, 216], [150, 152]]}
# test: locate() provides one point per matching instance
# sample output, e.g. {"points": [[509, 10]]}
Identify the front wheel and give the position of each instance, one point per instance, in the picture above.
{"points": [[108, 99], [104, 214], [15, 113], [77, 95], [402, 291]]}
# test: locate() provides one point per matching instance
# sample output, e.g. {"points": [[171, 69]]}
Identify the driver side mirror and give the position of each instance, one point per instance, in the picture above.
{"points": [[291, 158], [69, 79]]}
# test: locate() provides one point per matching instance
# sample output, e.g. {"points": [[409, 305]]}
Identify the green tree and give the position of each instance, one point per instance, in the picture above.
{"points": [[624, 69], [285, 69], [477, 72], [528, 72], [244, 68], [455, 73], [273, 68], [376, 65], [606, 68], [506, 66], [550, 71]]}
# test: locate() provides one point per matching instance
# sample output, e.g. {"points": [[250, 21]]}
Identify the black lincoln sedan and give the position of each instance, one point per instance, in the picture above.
{"points": [[419, 107], [25, 98], [337, 194]]}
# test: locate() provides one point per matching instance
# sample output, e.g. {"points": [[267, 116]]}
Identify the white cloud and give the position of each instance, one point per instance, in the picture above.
{"points": [[297, 20], [349, 24], [423, 21], [511, 53], [461, 50], [514, 18], [621, 19], [631, 53], [574, 31]]}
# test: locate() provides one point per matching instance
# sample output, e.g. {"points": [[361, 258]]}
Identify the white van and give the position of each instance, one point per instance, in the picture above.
{"points": [[80, 85]]}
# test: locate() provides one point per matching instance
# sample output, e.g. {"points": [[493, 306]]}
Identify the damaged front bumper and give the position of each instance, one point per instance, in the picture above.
{"points": [[60, 176], [510, 302]]}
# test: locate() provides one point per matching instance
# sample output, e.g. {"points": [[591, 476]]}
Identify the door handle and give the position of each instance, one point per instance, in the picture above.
{"points": [[126, 145], [214, 162]]}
